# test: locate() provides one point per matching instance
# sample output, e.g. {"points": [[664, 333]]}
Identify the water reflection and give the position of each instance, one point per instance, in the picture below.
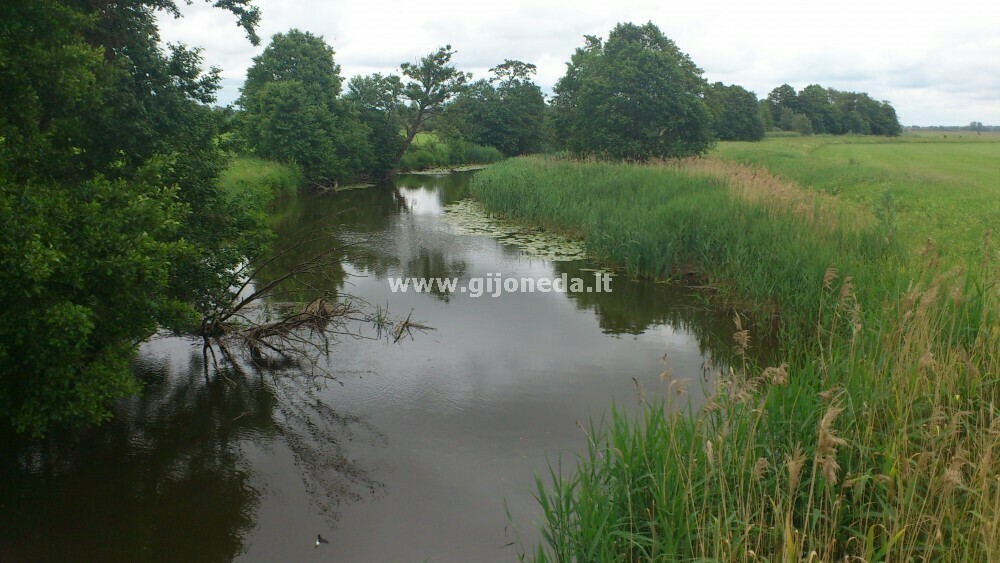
{"points": [[170, 477]]}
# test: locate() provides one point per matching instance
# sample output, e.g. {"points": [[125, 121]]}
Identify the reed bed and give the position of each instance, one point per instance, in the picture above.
{"points": [[877, 438]]}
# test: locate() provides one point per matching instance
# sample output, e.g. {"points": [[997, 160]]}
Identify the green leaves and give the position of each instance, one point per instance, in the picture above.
{"points": [[636, 96], [735, 112], [507, 112], [824, 110], [84, 271], [112, 222], [293, 113]]}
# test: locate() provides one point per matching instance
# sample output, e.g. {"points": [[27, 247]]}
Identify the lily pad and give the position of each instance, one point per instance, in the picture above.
{"points": [[467, 217]]}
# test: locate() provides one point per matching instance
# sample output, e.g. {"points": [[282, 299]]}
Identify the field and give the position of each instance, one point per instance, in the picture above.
{"points": [[944, 185], [877, 437]]}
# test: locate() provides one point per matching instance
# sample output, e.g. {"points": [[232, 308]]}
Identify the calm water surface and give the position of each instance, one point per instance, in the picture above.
{"points": [[409, 456]]}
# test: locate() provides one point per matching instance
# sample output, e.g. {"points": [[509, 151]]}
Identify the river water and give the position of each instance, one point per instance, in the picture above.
{"points": [[424, 449]]}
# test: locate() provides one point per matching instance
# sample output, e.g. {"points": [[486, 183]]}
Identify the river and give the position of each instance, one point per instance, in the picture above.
{"points": [[416, 451]]}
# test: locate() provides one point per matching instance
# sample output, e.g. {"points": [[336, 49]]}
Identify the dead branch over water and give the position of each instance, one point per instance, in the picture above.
{"points": [[261, 321]]}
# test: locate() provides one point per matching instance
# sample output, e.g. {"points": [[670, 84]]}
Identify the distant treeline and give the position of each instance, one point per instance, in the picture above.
{"points": [[293, 108], [815, 109], [634, 96], [975, 126]]}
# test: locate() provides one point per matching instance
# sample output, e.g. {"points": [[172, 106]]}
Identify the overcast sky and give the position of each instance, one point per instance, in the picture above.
{"points": [[937, 65]]}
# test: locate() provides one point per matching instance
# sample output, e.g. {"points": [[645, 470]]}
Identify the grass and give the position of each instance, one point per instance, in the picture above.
{"points": [[427, 152], [945, 185], [259, 182], [877, 438]]}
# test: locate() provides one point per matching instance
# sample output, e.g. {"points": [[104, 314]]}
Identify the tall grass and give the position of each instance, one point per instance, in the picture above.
{"points": [[430, 152], [876, 439], [259, 182]]}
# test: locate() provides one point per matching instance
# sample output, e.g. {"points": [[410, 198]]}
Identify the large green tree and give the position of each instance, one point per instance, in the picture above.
{"points": [[506, 112], [635, 96], [376, 98], [292, 110], [111, 220]]}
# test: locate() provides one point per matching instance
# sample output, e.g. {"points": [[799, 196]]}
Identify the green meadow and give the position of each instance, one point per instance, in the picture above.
{"points": [[943, 185]]}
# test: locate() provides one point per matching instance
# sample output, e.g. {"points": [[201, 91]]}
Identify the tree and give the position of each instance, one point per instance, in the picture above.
{"points": [[292, 110], [815, 102], [111, 220], [766, 117], [636, 96], [506, 112], [376, 99], [428, 85], [735, 112], [301, 57], [831, 111], [524, 104], [782, 97]]}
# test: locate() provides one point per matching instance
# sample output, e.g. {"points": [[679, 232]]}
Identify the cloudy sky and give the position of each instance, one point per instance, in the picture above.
{"points": [[937, 65]]}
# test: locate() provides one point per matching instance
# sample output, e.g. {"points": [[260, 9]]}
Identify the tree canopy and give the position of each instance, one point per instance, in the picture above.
{"points": [[507, 111], [634, 96], [816, 109], [735, 113], [292, 111], [111, 220]]}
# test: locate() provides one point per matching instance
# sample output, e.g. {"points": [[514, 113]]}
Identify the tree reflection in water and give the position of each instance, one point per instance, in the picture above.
{"points": [[169, 478]]}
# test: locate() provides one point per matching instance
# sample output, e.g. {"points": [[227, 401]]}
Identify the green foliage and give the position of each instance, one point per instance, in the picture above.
{"points": [[258, 183], [427, 86], [292, 111], [644, 218], [875, 440], [301, 57], [86, 273], [831, 111], [637, 96], [736, 115], [376, 99], [113, 222], [506, 112], [427, 151]]}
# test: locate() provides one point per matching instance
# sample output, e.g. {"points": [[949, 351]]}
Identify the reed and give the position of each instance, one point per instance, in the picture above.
{"points": [[876, 440]]}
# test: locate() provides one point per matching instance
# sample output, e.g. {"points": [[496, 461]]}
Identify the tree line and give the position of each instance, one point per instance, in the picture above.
{"points": [[635, 95], [293, 108], [815, 109]]}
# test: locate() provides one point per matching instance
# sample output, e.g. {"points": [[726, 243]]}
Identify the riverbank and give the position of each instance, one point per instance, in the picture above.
{"points": [[877, 436]]}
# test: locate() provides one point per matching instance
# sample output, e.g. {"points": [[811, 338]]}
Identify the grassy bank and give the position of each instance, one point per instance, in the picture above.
{"points": [[428, 151], [876, 439], [258, 182]]}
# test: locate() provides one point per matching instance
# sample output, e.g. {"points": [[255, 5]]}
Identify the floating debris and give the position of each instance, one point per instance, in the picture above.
{"points": [[467, 217], [599, 271], [352, 187], [447, 170]]}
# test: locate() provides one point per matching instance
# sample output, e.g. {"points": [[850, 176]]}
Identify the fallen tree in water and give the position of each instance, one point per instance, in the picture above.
{"points": [[260, 318]]}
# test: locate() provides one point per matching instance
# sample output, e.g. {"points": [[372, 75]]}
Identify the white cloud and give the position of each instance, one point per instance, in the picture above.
{"points": [[937, 65]]}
